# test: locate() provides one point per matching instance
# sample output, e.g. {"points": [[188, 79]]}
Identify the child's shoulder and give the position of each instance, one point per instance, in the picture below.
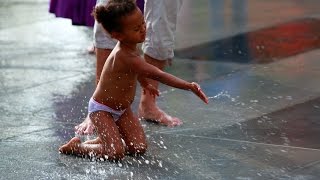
{"points": [[118, 53], [130, 55]]}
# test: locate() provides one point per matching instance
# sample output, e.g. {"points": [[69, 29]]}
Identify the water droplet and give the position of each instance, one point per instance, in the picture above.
{"points": [[288, 97], [282, 150], [120, 164]]}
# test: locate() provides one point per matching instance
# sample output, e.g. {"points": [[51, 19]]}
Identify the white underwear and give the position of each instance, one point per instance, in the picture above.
{"points": [[94, 106]]}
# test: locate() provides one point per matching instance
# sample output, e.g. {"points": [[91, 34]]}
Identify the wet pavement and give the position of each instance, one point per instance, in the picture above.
{"points": [[258, 61]]}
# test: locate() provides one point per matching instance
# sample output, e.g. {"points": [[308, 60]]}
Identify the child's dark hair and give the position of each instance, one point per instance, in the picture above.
{"points": [[110, 15]]}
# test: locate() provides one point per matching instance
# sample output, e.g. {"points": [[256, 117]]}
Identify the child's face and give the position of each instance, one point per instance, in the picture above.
{"points": [[134, 28]]}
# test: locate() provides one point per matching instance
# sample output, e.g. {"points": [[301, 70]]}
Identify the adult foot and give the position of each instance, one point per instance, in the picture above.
{"points": [[85, 128], [158, 116], [91, 49], [70, 146]]}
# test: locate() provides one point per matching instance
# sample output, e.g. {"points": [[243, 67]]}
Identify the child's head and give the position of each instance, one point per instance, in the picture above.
{"points": [[122, 19]]}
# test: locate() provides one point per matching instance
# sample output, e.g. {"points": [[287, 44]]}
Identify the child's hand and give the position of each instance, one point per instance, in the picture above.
{"points": [[151, 90], [195, 88], [147, 87]]}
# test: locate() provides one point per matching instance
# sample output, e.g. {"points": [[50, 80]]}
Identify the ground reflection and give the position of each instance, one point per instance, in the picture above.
{"points": [[261, 46]]}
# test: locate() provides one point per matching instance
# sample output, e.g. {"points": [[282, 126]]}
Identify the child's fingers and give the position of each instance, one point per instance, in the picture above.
{"points": [[204, 97], [155, 93], [200, 93]]}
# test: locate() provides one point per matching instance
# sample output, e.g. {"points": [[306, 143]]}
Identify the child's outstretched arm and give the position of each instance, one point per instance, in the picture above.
{"points": [[145, 69]]}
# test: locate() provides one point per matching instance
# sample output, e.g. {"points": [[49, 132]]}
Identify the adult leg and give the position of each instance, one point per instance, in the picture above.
{"points": [[86, 127], [110, 147], [161, 18], [132, 133], [148, 108], [102, 55], [103, 44]]}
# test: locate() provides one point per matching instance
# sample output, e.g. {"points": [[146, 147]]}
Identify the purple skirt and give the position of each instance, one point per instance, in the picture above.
{"points": [[140, 4], [79, 11]]}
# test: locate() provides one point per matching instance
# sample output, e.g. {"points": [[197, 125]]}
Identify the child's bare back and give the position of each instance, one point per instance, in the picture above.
{"points": [[117, 86]]}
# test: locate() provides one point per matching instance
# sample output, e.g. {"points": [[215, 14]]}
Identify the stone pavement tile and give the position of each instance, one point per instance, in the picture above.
{"points": [[234, 98], [171, 156], [295, 126], [215, 158], [222, 19]]}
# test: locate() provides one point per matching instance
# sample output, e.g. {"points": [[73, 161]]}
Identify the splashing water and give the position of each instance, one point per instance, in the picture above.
{"points": [[84, 138], [222, 94], [167, 91]]}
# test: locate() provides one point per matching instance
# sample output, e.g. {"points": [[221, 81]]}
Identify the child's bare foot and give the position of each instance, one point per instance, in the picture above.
{"points": [[85, 128], [159, 116], [70, 146]]}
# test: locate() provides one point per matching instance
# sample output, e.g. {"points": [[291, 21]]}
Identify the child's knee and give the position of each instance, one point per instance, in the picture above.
{"points": [[137, 149], [114, 153], [117, 155]]}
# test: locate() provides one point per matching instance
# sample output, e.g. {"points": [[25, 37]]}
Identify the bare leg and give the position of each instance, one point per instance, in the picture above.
{"points": [[110, 147], [148, 108], [86, 127], [132, 133]]}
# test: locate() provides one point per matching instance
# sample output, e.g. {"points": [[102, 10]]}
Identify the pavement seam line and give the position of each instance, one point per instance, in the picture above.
{"points": [[242, 141]]}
